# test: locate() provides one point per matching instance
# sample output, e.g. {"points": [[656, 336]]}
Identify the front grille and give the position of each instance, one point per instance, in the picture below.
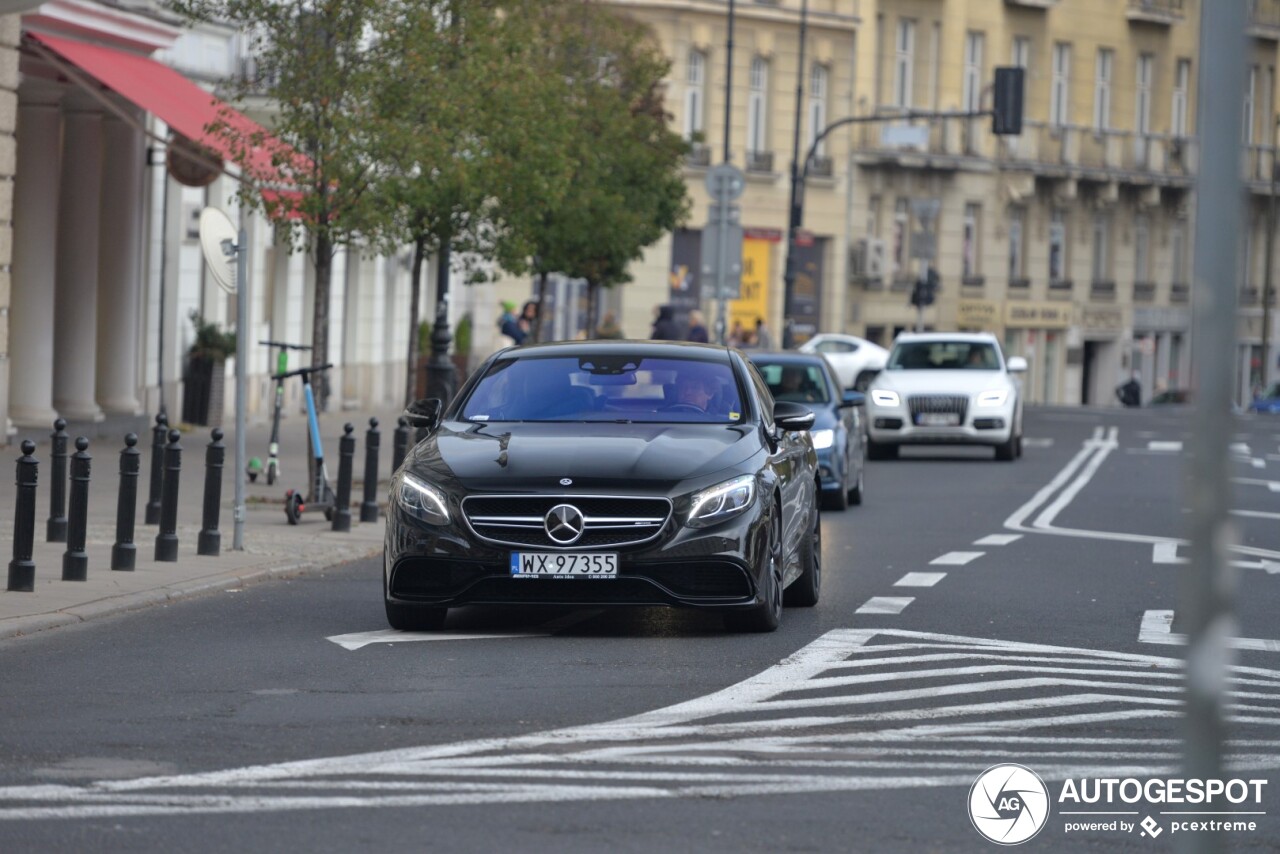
{"points": [[609, 521], [937, 404]]}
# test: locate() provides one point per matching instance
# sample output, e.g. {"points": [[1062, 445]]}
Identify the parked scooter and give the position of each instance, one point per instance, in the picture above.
{"points": [[319, 496], [273, 447]]}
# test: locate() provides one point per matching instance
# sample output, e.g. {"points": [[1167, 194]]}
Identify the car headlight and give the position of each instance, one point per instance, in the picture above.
{"points": [[994, 397], [881, 397], [722, 501], [422, 501], [823, 438]]}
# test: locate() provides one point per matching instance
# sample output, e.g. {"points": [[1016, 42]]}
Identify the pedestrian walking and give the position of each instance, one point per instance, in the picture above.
{"points": [[697, 328], [609, 327], [764, 339], [509, 324], [665, 327]]}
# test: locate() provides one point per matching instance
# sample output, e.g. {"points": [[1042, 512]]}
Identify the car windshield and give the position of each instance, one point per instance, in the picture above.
{"points": [[943, 355], [605, 387], [796, 382]]}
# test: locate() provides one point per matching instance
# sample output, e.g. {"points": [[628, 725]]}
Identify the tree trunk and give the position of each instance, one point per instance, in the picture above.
{"points": [[593, 308], [542, 301], [415, 308], [320, 319]]}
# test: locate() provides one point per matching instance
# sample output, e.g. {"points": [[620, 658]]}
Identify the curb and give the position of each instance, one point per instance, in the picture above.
{"points": [[24, 626]]}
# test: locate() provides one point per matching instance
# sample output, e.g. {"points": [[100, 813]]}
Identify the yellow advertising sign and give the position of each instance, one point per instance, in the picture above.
{"points": [[1037, 315], [982, 314], [754, 300]]}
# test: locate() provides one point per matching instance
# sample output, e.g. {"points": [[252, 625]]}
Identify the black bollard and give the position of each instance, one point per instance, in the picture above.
{"points": [[342, 503], [124, 552], [210, 541], [167, 539], [399, 444], [158, 436], [56, 529], [75, 562], [372, 440], [22, 569]]}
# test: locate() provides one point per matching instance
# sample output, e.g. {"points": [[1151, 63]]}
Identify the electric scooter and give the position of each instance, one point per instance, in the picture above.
{"points": [[319, 496], [273, 447]]}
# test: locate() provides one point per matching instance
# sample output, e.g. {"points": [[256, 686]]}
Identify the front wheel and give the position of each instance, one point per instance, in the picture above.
{"points": [[293, 507], [1008, 451], [767, 615], [806, 589], [855, 494]]}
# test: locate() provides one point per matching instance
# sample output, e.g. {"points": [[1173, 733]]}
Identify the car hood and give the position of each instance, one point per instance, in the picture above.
{"points": [[498, 456], [950, 381]]}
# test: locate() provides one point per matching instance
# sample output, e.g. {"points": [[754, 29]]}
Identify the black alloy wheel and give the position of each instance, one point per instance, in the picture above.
{"points": [[805, 590], [767, 615]]}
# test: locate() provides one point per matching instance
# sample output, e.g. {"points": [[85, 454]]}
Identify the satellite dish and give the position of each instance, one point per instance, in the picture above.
{"points": [[218, 241]]}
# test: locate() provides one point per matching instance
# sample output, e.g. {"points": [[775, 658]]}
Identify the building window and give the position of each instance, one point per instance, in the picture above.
{"points": [[1178, 113], [903, 62], [971, 251], [817, 106], [971, 97], [1102, 90], [1141, 249], [758, 107], [1101, 249], [1020, 56], [1178, 251], [1249, 101], [901, 220], [1142, 96], [873, 216], [1057, 246], [1017, 219], [695, 93], [1060, 86]]}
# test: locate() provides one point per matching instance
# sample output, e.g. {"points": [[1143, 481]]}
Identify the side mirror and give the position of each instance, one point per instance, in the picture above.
{"points": [[424, 413], [1017, 365], [853, 398], [792, 417]]}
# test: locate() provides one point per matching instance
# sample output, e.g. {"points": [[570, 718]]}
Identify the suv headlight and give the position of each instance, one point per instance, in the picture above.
{"points": [[422, 501], [881, 397], [994, 397], [823, 438], [722, 501]]}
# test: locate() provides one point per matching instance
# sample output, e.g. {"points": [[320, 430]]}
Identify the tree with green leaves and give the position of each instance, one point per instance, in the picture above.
{"points": [[627, 182], [470, 131], [309, 61]]}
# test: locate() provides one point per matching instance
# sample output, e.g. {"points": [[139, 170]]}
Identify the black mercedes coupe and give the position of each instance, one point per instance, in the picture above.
{"points": [[601, 473]]}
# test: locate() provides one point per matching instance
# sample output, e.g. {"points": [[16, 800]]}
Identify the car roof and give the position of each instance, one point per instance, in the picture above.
{"points": [[643, 348], [786, 357], [907, 337]]}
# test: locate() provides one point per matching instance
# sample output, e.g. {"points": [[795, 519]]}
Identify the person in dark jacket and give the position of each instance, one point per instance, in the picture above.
{"points": [[697, 328], [1130, 392], [665, 326]]}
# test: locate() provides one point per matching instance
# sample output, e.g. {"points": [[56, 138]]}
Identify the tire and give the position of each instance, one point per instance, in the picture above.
{"points": [[415, 618], [766, 616], [855, 494], [1006, 452], [271, 475], [253, 477], [293, 507], [835, 500], [881, 451], [805, 590], [1018, 447], [863, 380]]}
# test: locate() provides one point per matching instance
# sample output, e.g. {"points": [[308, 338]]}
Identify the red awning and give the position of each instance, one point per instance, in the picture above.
{"points": [[180, 103]]}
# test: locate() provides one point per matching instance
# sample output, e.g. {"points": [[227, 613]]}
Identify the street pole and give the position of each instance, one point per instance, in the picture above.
{"points": [[441, 382], [795, 210], [1207, 581], [242, 355], [728, 80], [1266, 275], [722, 298]]}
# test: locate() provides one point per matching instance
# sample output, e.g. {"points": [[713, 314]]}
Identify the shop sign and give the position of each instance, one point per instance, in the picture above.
{"points": [[977, 314], [1040, 315], [1102, 319]]}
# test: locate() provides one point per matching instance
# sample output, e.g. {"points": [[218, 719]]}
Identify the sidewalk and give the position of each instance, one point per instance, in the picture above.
{"points": [[272, 546]]}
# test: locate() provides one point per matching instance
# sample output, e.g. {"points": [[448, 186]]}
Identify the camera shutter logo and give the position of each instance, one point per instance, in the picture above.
{"points": [[1008, 804]]}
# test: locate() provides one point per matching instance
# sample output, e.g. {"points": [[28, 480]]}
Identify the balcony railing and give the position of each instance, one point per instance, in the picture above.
{"points": [[820, 166], [1101, 290], [1264, 19], [759, 161], [1155, 11], [1033, 4], [699, 155], [1105, 151], [1144, 291], [1179, 292]]}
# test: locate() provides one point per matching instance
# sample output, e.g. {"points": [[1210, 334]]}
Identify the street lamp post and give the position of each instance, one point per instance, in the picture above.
{"points": [[441, 382], [795, 211], [1266, 275]]}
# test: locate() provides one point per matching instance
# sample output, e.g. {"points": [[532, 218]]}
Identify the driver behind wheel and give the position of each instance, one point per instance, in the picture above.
{"points": [[695, 387]]}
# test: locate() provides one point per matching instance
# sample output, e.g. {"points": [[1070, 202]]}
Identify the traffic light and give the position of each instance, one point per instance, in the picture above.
{"points": [[926, 290], [1006, 115]]}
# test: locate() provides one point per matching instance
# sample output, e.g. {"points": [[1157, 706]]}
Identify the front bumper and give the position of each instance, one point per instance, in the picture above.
{"points": [[702, 568], [895, 425]]}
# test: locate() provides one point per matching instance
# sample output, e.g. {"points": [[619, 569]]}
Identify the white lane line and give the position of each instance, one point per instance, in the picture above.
{"points": [[1255, 514], [1166, 552], [1046, 517], [1157, 627], [1239, 448], [1167, 447], [1272, 485], [885, 605], [920, 579], [955, 558], [1037, 443], [997, 539], [356, 640]]}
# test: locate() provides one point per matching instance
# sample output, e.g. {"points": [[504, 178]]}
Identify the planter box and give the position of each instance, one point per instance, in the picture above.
{"points": [[204, 391]]}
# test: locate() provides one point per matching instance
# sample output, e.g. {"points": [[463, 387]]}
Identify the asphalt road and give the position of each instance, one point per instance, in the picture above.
{"points": [[973, 613]]}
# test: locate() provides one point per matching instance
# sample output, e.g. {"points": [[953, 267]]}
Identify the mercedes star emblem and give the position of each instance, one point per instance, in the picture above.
{"points": [[566, 481], [564, 523]]}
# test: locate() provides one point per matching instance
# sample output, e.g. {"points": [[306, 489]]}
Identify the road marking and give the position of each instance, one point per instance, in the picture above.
{"points": [[1157, 627], [855, 710], [997, 539], [1037, 443], [356, 640], [1168, 553], [1255, 514], [920, 579], [1271, 485], [1166, 447], [885, 605], [955, 558]]}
